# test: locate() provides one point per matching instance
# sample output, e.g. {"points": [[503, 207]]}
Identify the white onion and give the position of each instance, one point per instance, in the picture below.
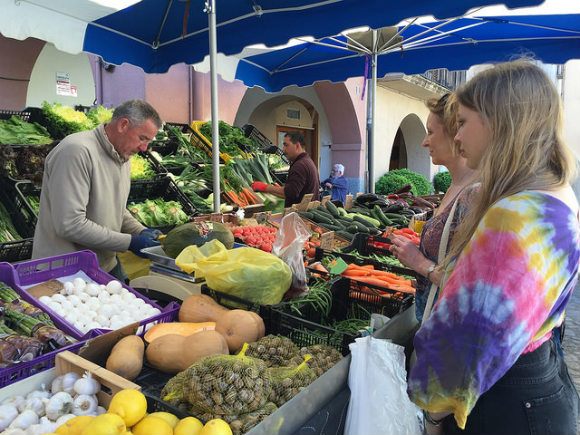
{"points": [[58, 298], [68, 288], [79, 283], [92, 290], [114, 287], [45, 299]]}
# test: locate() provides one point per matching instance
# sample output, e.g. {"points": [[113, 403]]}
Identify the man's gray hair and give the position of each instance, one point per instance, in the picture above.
{"points": [[137, 112]]}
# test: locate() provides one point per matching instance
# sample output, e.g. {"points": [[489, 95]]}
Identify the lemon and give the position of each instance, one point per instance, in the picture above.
{"points": [[152, 426], [130, 405], [105, 424], [75, 425], [169, 418], [216, 427], [188, 426]]}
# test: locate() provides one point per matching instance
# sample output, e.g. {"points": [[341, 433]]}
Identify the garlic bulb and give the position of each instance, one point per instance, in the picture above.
{"points": [[35, 404], [24, 420], [64, 383], [58, 405], [87, 385], [7, 415], [85, 405], [16, 401]]}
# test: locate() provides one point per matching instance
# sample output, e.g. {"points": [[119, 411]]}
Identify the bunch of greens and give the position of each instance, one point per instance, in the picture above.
{"points": [[7, 231], [186, 151], [141, 168], [442, 181], [64, 120], [99, 115], [232, 139], [158, 213], [15, 131], [397, 179]]}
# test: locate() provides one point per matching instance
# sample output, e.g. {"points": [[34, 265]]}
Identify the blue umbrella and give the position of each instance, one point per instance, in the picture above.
{"points": [[156, 34], [412, 48]]}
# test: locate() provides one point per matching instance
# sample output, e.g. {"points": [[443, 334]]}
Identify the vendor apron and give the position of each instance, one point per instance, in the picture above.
{"points": [[535, 396]]}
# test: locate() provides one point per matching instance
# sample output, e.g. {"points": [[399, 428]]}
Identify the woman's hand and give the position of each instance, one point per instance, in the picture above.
{"points": [[408, 253]]}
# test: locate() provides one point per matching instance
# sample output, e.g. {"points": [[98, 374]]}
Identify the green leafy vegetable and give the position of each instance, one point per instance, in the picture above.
{"points": [[395, 180], [141, 168], [64, 120], [15, 131], [158, 213]]}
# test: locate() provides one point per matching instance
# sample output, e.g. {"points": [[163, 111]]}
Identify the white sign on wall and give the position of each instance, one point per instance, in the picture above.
{"points": [[63, 86]]}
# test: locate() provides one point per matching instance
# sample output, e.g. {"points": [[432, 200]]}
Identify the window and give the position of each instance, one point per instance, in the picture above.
{"points": [[293, 113]]}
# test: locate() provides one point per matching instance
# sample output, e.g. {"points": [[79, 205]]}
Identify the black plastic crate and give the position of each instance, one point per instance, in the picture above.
{"points": [[234, 302], [367, 298], [18, 250], [164, 188], [25, 189], [305, 333], [7, 114], [152, 382]]}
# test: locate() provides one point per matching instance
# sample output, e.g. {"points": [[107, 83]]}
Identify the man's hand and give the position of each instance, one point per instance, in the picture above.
{"points": [[139, 242], [259, 186], [328, 185], [151, 233]]}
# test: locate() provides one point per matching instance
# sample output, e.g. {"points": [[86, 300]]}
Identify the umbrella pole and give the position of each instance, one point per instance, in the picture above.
{"points": [[215, 138], [371, 113]]}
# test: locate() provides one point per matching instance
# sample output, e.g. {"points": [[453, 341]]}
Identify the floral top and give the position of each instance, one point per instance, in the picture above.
{"points": [[431, 239], [505, 293]]}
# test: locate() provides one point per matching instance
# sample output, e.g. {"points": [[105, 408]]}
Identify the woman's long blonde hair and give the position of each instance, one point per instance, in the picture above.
{"points": [[522, 109]]}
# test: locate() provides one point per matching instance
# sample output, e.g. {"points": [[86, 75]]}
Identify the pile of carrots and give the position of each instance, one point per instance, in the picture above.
{"points": [[368, 275], [243, 198]]}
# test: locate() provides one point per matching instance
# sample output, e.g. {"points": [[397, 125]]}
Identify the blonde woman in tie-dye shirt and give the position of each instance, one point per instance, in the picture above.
{"points": [[487, 361]]}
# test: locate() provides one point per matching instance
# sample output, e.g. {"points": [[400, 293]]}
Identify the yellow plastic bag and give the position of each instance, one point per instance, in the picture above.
{"points": [[247, 273]]}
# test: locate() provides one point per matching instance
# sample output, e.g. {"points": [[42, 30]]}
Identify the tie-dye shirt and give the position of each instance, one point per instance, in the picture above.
{"points": [[506, 292]]}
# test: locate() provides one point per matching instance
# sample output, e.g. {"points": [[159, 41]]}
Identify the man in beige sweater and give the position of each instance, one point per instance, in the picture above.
{"points": [[85, 187]]}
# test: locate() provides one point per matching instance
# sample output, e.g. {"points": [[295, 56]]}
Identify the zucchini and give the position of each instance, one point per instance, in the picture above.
{"points": [[373, 222], [321, 219], [332, 209], [306, 215], [321, 210], [381, 216], [342, 211], [360, 227], [345, 235], [333, 227], [393, 215]]}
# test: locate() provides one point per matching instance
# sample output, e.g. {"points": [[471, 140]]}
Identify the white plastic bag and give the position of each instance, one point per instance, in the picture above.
{"points": [[379, 404], [289, 245]]}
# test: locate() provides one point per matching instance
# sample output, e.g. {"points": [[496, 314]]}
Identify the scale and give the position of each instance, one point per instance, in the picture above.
{"points": [[165, 277]]}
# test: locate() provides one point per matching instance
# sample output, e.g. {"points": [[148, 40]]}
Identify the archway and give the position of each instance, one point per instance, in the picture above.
{"points": [[398, 152], [413, 132]]}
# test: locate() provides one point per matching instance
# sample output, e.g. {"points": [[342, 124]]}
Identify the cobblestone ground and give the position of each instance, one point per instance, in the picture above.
{"points": [[571, 342]]}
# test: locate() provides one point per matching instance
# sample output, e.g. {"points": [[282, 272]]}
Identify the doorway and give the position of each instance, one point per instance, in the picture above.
{"points": [[398, 152], [310, 137]]}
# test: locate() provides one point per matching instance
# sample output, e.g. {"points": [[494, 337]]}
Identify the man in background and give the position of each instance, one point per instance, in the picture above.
{"points": [[85, 187], [336, 183], [303, 177]]}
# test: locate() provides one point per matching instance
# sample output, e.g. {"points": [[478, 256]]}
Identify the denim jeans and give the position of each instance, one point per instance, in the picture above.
{"points": [[536, 396]]}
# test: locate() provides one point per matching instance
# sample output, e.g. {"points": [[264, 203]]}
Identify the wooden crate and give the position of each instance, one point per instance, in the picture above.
{"points": [[69, 362]]}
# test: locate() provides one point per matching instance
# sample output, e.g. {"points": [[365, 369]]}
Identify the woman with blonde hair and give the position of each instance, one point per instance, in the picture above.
{"points": [[441, 129], [487, 360]]}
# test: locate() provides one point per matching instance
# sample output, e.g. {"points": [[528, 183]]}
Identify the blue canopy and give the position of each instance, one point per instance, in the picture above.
{"points": [[454, 44], [150, 34]]}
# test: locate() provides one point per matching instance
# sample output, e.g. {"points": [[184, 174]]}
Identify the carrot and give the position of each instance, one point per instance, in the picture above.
{"points": [[354, 273]]}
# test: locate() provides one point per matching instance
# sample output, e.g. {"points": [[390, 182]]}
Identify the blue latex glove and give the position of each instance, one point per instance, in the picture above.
{"points": [[139, 242], [151, 233]]}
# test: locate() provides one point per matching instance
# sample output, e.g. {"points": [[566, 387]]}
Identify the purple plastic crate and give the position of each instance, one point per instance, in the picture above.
{"points": [[37, 271], [39, 364], [8, 276]]}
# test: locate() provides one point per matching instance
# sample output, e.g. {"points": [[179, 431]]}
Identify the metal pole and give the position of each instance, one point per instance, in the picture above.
{"points": [[371, 116], [215, 138]]}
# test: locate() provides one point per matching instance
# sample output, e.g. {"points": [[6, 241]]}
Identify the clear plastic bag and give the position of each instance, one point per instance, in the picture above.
{"points": [[379, 403], [247, 273], [289, 245]]}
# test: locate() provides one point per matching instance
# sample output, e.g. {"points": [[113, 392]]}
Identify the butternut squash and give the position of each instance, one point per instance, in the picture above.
{"points": [[126, 357], [239, 327], [261, 326], [185, 329], [200, 308], [174, 353]]}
